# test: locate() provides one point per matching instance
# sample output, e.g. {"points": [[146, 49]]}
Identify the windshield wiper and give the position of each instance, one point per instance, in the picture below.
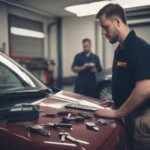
{"points": [[30, 93]]}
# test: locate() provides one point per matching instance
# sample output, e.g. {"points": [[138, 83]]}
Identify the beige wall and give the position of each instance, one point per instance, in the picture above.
{"points": [[3, 27]]}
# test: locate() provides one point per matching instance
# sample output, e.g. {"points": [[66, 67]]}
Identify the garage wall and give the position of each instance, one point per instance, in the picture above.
{"points": [[35, 17], [74, 30], [3, 26], [142, 31], [26, 46], [7, 9]]}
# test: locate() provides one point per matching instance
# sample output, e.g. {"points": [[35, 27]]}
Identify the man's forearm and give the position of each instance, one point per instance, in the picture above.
{"points": [[137, 97], [77, 69]]}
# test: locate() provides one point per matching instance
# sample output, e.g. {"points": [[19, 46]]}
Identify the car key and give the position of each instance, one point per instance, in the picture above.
{"points": [[102, 122], [48, 115], [91, 125], [59, 125], [63, 113], [38, 129], [76, 141], [70, 138], [85, 115], [77, 119], [63, 135]]}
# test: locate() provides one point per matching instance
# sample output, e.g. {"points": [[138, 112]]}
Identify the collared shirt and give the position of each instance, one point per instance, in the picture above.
{"points": [[131, 64], [81, 58]]}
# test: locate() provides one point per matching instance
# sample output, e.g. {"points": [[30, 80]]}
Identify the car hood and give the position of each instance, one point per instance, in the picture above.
{"points": [[20, 136]]}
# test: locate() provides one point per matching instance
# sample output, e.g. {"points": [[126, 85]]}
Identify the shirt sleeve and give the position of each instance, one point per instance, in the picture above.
{"points": [[141, 64], [75, 61], [98, 65]]}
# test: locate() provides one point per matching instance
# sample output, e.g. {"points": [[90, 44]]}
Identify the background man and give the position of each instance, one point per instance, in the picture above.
{"points": [[86, 64]]}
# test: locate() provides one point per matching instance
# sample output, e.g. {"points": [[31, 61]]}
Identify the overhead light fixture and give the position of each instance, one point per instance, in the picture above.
{"points": [[26, 32], [86, 9], [93, 8]]}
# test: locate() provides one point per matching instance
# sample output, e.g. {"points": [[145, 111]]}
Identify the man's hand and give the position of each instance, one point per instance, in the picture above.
{"points": [[77, 69], [94, 69], [107, 113], [86, 65]]}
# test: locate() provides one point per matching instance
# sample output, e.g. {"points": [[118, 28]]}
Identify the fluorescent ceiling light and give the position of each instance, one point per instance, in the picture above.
{"points": [[26, 32], [93, 8], [86, 9]]}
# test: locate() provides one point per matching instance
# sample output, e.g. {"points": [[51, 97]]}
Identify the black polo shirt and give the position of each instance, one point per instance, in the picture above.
{"points": [[131, 64], [81, 58]]}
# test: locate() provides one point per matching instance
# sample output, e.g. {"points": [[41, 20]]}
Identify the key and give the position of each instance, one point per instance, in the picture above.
{"points": [[77, 119], [76, 141], [48, 115], [91, 125], [57, 125], [70, 138], [85, 115], [38, 129], [102, 122], [63, 113], [63, 135]]}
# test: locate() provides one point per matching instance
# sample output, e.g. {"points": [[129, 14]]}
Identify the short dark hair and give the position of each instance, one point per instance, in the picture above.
{"points": [[86, 40], [112, 10]]}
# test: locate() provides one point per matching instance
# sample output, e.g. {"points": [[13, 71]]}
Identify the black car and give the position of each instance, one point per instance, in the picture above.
{"points": [[103, 87]]}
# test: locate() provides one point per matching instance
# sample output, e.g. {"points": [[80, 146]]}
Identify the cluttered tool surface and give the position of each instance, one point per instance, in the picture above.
{"points": [[74, 124]]}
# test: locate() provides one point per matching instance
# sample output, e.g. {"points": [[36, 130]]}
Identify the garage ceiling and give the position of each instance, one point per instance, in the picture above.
{"points": [[53, 7]]}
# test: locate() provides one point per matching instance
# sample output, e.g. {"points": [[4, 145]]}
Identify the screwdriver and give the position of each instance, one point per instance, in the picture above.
{"points": [[67, 120]]}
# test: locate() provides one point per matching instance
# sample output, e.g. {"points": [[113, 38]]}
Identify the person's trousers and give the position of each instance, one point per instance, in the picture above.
{"points": [[86, 85], [138, 128]]}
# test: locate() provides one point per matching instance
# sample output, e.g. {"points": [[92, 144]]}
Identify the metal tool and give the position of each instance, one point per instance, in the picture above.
{"points": [[48, 115], [57, 125], [72, 139], [33, 128], [85, 115], [67, 120], [102, 122], [63, 135], [91, 125], [38, 129]]}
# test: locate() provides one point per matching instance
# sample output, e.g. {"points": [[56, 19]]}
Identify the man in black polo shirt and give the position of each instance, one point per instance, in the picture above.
{"points": [[131, 75], [86, 64]]}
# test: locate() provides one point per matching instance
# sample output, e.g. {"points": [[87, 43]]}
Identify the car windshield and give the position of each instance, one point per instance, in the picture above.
{"points": [[13, 77]]}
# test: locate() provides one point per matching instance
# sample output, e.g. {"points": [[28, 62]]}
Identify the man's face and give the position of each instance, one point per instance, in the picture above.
{"points": [[109, 29], [86, 47]]}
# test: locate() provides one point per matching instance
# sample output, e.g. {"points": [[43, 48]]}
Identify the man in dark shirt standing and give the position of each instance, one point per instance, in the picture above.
{"points": [[86, 64], [131, 76]]}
